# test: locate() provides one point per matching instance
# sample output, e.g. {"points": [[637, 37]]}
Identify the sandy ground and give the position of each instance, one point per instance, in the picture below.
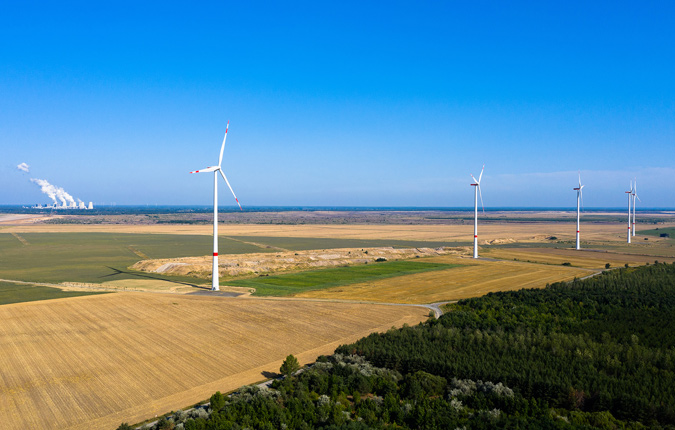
{"points": [[11, 219]]}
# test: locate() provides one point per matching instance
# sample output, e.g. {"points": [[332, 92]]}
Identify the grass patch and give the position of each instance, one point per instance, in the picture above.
{"points": [[17, 293], [293, 283]]}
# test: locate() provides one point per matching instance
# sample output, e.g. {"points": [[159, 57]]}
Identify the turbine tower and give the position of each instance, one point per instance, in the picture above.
{"points": [[477, 191], [217, 169], [579, 198], [635, 196], [630, 196]]}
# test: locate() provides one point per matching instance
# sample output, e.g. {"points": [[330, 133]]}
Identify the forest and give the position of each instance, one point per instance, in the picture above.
{"points": [[593, 353]]}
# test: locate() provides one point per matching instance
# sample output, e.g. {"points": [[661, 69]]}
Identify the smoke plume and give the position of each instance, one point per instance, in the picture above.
{"points": [[23, 167], [54, 192]]}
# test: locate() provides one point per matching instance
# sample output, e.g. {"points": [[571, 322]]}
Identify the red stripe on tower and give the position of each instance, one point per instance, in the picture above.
{"points": [[215, 254], [475, 235]]}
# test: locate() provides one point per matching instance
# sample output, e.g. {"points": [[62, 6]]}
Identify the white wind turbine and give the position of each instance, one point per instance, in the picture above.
{"points": [[217, 169], [635, 196], [579, 199], [630, 196], [477, 191]]}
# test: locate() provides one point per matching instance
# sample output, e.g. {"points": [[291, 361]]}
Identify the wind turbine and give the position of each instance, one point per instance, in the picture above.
{"points": [[579, 198], [635, 196], [217, 169], [630, 196], [475, 210]]}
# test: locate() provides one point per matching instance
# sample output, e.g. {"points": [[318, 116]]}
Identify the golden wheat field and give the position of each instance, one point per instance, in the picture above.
{"points": [[520, 232], [476, 278], [582, 258], [94, 362]]}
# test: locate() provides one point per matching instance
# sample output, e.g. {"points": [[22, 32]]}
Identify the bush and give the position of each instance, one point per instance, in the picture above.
{"points": [[567, 263], [125, 426], [607, 265]]}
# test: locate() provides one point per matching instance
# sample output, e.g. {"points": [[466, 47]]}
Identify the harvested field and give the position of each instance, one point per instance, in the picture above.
{"points": [[473, 279], [520, 232], [93, 362], [582, 258]]}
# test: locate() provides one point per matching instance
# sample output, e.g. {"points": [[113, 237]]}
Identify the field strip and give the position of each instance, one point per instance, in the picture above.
{"points": [[457, 283], [96, 361], [20, 239], [133, 249]]}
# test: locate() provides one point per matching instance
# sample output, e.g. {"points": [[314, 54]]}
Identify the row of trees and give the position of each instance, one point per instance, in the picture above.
{"points": [[597, 353]]}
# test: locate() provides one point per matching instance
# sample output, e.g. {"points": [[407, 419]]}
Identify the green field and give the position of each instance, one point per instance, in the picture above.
{"points": [[670, 231], [98, 257], [17, 293], [293, 283]]}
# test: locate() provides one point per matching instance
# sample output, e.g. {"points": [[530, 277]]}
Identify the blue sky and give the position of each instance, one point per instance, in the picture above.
{"points": [[339, 103]]}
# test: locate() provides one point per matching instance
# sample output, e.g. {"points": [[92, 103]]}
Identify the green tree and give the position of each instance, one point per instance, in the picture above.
{"points": [[217, 401], [290, 366], [125, 426]]}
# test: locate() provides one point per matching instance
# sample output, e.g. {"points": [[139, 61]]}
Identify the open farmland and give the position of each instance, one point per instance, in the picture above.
{"points": [[454, 233], [295, 283], [474, 278], [96, 257], [96, 361], [590, 259]]}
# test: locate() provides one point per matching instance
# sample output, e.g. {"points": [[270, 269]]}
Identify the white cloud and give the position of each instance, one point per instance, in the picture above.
{"points": [[23, 167]]}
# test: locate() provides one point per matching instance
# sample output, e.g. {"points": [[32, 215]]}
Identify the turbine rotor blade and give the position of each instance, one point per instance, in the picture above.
{"points": [[230, 187], [481, 174], [481, 198], [206, 169], [474, 179], [222, 148]]}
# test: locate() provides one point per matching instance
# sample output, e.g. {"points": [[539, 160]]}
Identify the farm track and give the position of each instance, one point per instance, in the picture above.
{"points": [[20, 239], [96, 361]]}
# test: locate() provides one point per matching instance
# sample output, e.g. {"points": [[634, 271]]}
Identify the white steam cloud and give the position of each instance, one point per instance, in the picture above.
{"points": [[54, 192], [23, 167]]}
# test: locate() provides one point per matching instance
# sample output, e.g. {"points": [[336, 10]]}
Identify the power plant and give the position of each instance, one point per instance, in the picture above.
{"points": [[71, 206], [55, 193]]}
